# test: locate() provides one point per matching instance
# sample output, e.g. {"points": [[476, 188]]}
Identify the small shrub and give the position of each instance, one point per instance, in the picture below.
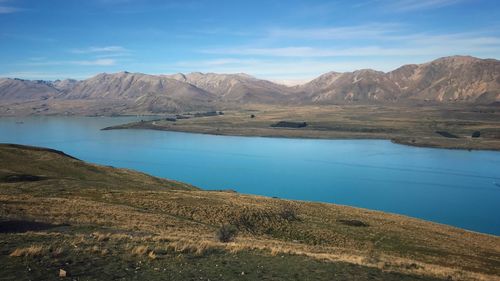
{"points": [[476, 134], [246, 221], [226, 233], [288, 213]]}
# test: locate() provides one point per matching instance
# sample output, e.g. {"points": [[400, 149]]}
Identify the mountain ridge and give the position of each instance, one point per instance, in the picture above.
{"points": [[454, 79]]}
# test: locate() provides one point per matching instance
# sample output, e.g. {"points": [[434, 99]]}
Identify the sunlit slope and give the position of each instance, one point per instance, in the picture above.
{"points": [[100, 222]]}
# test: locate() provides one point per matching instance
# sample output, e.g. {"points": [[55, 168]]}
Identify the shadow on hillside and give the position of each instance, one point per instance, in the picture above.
{"points": [[20, 226]]}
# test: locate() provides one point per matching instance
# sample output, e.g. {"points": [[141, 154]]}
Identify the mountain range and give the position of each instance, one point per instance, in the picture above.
{"points": [[456, 79]]}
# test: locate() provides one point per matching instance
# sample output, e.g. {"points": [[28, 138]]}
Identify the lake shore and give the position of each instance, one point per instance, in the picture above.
{"points": [[450, 128], [93, 220]]}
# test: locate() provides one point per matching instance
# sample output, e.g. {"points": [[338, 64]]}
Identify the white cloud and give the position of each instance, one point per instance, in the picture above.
{"points": [[404, 45], [291, 71], [304, 62], [216, 62], [32, 75], [105, 49], [8, 10], [290, 82], [98, 62], [413, 5], [367, 31]]}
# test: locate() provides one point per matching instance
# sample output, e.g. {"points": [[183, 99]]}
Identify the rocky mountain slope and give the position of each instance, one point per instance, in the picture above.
{"points": [[445, 80], [457, 79], [19, 89], [150, 93], [241, 88]]}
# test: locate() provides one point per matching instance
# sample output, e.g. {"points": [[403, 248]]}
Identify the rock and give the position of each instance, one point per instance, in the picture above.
{"points": [[62, 273]]}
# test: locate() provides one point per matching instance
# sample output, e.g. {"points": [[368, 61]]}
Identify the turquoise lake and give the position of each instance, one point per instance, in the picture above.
{"points": [[454, 187]]}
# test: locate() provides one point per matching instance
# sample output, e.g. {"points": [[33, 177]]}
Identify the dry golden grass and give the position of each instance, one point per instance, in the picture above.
{"points": [[152, 255], [412, 125], [140, 250], [57, 252], [149, 223], [31, 251]]}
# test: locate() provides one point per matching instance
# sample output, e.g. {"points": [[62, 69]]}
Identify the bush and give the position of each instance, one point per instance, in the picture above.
{"points": [[226, 233], [288, 213], [476, 134]]}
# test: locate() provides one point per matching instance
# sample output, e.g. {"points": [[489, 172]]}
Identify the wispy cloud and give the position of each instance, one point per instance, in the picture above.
{"points": [[413, 5], [33, 75], [366, 31], [217, 62], [98, 62], [8, 10], [289, 70], [325, 52], [105, 49], [382, 43]]}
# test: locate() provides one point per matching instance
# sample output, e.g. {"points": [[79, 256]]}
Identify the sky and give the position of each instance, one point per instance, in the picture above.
{"points": [[290, 41]]}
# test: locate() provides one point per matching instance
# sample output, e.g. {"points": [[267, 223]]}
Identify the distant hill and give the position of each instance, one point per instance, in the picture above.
{"points": [[457, 79], [445, 80], [147, 93], [19, 89], [240, 88]]}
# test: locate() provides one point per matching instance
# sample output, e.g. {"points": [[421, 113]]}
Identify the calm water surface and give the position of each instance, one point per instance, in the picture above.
{"points": [[454, 187]]}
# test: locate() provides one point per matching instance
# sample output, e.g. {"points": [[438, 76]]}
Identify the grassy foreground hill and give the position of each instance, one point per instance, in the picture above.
{"points": [[60, 215]]}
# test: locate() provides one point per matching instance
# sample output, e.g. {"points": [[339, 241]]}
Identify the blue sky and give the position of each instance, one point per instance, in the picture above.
{"points": [[278, 40]]}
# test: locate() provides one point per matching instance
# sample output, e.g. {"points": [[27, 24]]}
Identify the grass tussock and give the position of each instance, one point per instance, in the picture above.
{"points": [[31, 251], [152, 255], [90, 214], [140, 250], [226, 233], [57, 252]]}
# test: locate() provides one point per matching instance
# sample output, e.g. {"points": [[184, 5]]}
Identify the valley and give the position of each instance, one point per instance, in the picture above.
{"points": [[99, 222]]}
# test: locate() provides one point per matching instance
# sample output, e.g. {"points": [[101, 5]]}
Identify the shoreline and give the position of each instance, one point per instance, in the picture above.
{"points": [[400, 140], [167, 219]]}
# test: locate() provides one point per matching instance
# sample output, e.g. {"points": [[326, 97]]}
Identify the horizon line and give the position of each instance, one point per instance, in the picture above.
{"points": [[289, 82]]}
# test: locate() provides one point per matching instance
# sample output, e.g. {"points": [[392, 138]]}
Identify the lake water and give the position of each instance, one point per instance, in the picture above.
{"points": [[455, 187]]}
